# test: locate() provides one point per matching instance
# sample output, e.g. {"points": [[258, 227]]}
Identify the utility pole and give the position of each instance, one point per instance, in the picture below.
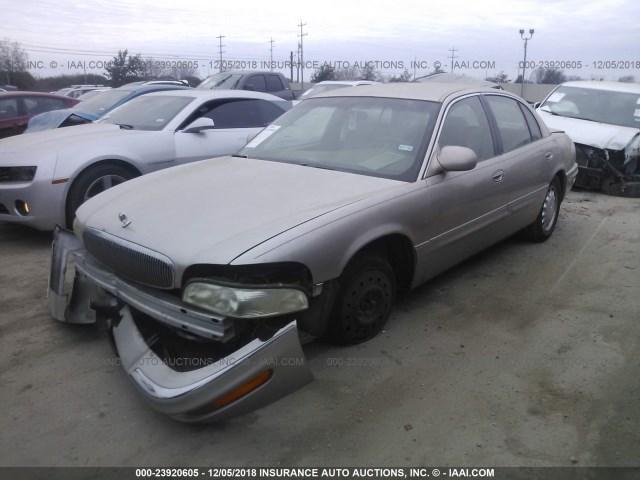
{"points": [[524, 64], [298, 64], [220, 37], [291, 66], [302, 35], [453, 56], [271, 55]]}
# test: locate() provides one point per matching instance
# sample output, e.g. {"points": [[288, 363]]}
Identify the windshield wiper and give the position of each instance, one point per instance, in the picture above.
{"points": [[124, 126], [315, 166], [237, 155]]}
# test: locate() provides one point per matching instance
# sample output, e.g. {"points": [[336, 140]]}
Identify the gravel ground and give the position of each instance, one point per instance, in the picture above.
{"points": [[525, 355]]}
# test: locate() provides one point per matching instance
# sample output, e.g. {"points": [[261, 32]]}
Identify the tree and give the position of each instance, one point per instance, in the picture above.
{"points": [[325, 72], [499, 78], [125, 69], [153, 69], [405, 77], [351, 73], [185, 73], [13, 59], [627, 79], [550, 76], [50, 84], [369, 72]]}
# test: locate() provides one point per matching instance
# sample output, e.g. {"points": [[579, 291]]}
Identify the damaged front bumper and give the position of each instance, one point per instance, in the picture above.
{"points": [[259, 372], [614, 172]]}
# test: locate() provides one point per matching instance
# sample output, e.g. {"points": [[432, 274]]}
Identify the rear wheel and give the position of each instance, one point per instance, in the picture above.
{"points": [[92, 181], [363, 305], [544, 225]]}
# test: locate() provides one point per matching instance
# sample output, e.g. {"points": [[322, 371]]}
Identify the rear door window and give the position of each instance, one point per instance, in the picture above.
{"points": [[512, 125], [256, 83]]}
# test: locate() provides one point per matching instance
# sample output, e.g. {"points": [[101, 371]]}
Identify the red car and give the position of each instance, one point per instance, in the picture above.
{"points": [[16, 108]]}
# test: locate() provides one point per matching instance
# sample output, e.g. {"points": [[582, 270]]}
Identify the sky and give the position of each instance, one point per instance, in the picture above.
{"points": [[584, 38]]}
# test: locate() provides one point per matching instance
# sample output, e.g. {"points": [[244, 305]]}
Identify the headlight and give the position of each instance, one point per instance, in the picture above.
{"points": [[244, 302], [17, 174]]}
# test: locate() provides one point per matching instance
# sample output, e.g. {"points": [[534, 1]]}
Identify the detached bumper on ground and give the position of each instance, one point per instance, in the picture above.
{"points": [[256, 374]]}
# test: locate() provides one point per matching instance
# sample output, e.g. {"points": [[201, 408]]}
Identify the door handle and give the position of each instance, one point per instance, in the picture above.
{"points": [[548, 155], [498, 175]]}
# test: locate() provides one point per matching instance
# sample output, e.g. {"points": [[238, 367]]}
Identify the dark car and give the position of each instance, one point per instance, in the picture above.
{"points": [[94, 108], [267, 82], [16, 108]]}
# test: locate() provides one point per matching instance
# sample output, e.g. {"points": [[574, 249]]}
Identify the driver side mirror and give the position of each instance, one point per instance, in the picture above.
{"points": [[199, 124], [456, 159]]}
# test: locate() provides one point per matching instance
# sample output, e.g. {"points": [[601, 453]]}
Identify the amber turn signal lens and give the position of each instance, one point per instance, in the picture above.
{"points": [[248, 387]]}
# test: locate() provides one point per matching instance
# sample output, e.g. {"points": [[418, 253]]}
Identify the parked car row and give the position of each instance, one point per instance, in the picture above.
{"points": [[311, 222]]}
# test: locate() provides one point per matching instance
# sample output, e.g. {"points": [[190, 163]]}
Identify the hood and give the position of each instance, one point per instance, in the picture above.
{"points": [[49, 140], [594, 134], [215, 210], [55, 118]]}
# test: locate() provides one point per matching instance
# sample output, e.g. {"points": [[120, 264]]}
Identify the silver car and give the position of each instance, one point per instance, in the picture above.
{"points": [[312, 230], [45, 176]]}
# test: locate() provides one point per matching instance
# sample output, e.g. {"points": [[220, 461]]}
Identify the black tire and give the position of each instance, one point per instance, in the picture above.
{"points": [[363, 305], [91, 182], [545, 223]]}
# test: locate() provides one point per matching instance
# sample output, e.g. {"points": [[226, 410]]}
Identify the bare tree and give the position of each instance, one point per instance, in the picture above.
{"points": [[184, 72], [351, 73], [154, 69], [13, 59]]}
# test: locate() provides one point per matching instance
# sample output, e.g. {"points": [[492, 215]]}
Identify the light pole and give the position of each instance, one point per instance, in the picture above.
{"points": [[524, 65]]}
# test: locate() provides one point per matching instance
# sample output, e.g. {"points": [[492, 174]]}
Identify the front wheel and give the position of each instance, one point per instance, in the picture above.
{"points": [[92, 181], [363, 305], [545, 223]]}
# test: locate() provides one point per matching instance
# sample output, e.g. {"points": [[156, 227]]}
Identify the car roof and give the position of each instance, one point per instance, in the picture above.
{"points": [[213, 94], [448, 77], [432, 91], [136, 88], [346, 82], [247, 72], [611, 86], [21, 93]]}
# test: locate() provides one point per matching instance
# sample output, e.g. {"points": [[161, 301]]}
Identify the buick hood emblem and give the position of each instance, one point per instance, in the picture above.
{"points": [[123, 218]]}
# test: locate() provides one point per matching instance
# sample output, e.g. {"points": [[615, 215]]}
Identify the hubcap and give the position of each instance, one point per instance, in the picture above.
{"points": [[549, 209], [101, 184]]}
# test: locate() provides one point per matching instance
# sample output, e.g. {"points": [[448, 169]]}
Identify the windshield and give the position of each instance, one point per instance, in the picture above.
{"points": [[605, 106], [102, 103], [220, 81], [147, 112], [380, 137]]}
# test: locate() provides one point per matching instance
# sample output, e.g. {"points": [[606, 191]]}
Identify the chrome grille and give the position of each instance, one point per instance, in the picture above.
{"points": [[130, 260]]}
